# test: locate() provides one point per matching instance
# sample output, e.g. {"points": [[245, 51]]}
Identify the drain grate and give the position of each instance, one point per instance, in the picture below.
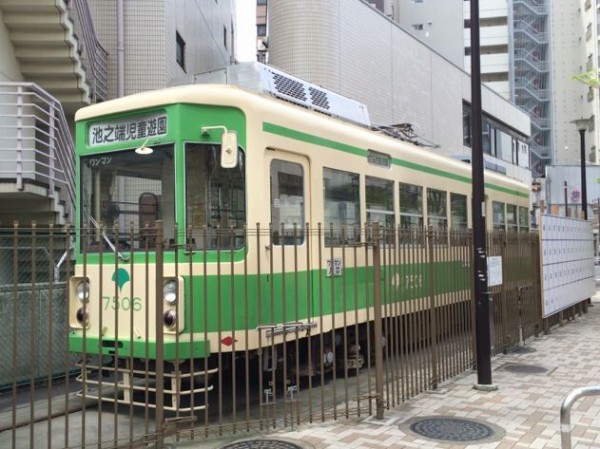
{"points": [[525, 369], [262, 444], [444, 428]]}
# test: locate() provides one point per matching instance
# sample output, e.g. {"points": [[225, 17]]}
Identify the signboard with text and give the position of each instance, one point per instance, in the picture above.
{"points": [[140, 127]]}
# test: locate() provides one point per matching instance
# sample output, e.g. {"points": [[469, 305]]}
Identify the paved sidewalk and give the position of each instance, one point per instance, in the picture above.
{"points": [[524, 411]]}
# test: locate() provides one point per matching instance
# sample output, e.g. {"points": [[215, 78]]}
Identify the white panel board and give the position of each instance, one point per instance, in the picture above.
{"points": [[567, 262]]}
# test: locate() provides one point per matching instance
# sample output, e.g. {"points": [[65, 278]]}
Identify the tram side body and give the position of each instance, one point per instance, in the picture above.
{"points": [[262, 295]]}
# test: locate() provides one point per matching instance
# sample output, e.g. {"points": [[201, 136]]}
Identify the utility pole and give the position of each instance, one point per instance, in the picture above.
{"points": [[482, 294]]}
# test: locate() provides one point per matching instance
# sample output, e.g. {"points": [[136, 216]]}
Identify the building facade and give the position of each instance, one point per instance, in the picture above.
{"points": [[399, 78], [160, 41], [57, 56], [530, 51]]}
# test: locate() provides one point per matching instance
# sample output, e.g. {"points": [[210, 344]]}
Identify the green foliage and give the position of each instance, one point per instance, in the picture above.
{"points": [[590, 78]]}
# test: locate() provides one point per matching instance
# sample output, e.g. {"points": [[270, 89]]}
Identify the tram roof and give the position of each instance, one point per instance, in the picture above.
{"points": [[246, 100]]}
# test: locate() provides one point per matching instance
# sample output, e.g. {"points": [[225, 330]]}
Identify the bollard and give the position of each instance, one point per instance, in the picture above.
{"points": [[565, 412]]}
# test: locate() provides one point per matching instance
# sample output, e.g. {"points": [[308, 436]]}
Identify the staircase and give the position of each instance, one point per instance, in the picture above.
{"points": [[47, 49]]}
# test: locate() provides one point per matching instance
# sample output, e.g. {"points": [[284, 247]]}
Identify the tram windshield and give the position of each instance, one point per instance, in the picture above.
{"points": [[215, 198], [123, 194]]}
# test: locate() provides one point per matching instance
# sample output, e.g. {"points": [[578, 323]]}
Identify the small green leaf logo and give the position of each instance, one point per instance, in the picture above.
{"points": [[121, 277]]}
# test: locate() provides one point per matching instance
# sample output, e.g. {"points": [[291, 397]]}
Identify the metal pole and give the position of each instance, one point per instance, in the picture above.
{"points": [[565, 412], [482, 295], [160, 369], [566, 200], [583, 174], [378, 323], [120, 48]]}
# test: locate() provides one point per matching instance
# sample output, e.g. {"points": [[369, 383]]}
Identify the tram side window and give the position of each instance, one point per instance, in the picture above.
{"points": [[411, 212], [511, 218], [437, 214], [458, 212], [215, 198], [458, 218], [498, 216], [342, 207], [380, 205], [287, 203], [523, 219]]}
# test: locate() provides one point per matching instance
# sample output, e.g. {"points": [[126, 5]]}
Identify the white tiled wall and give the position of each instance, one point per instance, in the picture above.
{"points": [[351, 48], [150, 30]]}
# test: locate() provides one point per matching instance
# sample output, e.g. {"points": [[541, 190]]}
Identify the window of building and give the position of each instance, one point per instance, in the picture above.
{"points": [[418, 26], [466, 128], [287, 202], [180, 50], [225, 36], [342, 207], [498, 216], [261, 30], [261, 2]]}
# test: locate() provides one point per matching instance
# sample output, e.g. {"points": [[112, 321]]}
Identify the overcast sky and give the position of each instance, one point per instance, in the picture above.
{"points": [[246, 30]]}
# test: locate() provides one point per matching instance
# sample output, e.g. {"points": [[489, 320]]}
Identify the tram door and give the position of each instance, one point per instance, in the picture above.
{"points": [[286, 251]]}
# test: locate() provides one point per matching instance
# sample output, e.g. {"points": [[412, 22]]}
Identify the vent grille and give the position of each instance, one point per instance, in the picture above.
{"points": [[262, 78], [289, 87], [319, 98]]}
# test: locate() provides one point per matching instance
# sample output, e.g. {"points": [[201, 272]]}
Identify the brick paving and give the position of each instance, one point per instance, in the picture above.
{"points": [[526, 407]]}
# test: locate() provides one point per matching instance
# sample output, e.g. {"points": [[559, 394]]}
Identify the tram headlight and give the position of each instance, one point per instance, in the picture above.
{"points": [[170, 292], [81, 316], [83, 291], [170, 319]]}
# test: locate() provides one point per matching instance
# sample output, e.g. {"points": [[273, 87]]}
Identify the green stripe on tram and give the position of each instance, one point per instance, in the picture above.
{"points": [[328, 143]]}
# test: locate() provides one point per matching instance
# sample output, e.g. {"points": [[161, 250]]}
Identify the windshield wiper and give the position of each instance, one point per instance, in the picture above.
{"points": [[106, 239]]}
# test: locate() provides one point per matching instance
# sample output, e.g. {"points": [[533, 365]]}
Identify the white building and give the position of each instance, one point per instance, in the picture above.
{"points": [[163, 40], [530, 51], [354, 49], [59, 55]]}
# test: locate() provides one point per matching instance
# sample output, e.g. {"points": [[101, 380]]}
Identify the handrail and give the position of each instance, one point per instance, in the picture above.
{"points": [[41, 136], [93, 49], [565, 412]]}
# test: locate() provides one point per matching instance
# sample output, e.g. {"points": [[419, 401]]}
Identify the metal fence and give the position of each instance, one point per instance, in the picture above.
{"points": [[260, 329]]}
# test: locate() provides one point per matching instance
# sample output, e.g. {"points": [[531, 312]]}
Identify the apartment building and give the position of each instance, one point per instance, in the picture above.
{"points": [[530, 51], [57, 56]]}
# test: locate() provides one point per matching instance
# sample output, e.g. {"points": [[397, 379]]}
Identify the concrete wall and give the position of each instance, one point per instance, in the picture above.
{"points": [[442, 23], [150, 36], [399, 78], [570, 50], [9, 66]]}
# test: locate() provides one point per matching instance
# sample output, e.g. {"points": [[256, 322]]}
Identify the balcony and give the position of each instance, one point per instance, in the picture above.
{"points": [[36, 157]]}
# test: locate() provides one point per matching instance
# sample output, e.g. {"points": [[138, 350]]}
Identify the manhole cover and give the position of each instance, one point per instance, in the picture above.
{"points": [[526, 369], [454, 429], [262, 444]]}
